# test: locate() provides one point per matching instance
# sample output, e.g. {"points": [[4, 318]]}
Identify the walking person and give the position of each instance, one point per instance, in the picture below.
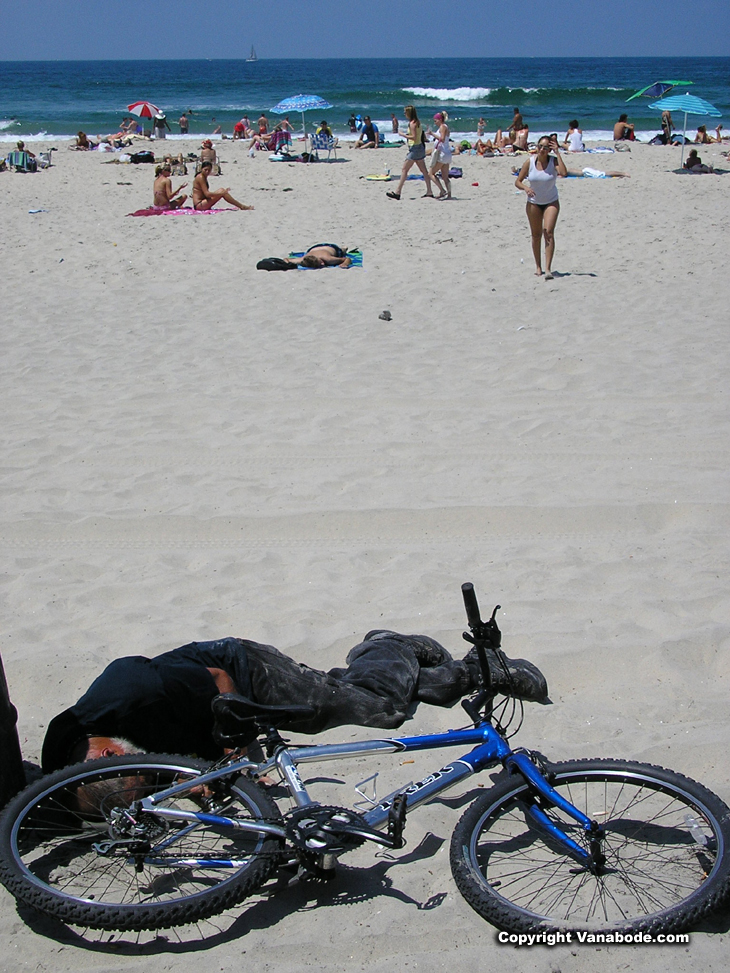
{"points": [[416, 154], [543, 206], [442, 155]]}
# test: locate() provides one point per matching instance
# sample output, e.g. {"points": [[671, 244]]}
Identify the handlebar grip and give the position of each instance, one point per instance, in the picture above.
{"points": [[471, 604]]}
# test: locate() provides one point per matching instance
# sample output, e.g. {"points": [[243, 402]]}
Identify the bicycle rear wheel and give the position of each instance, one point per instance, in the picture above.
{"points": [[184, 872], [667, 847]]}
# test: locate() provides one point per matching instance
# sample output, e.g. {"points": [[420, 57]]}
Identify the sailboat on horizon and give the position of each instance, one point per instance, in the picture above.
{"points": [[252, 55]]}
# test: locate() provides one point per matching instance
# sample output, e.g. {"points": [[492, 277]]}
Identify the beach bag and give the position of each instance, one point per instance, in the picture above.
{"points": [[144, 156], [275, 263]]}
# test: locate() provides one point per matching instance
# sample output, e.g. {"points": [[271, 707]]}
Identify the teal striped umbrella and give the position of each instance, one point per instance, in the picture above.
{"points": [[690, 105]]}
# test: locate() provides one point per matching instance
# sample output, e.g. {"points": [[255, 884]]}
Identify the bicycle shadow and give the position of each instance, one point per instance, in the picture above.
{"points": [[280, 898]]}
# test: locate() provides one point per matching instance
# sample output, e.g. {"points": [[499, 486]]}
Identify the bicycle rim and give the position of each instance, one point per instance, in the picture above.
{"points": [[188, 872], [666, 847]]}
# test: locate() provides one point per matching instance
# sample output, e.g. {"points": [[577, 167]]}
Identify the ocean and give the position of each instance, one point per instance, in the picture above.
{"points": [[55, 99]]}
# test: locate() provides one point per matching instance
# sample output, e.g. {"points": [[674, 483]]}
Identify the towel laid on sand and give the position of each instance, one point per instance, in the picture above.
{"points": [[185, 211]]}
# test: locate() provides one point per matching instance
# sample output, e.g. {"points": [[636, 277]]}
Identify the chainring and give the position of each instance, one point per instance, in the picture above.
{"points": [[323, 829]]}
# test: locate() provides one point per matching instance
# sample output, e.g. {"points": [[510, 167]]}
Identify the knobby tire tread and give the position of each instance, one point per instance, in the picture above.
{"points": [[706, 899], [133, 918]]}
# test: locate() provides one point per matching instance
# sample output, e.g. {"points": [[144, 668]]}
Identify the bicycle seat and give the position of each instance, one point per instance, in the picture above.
{"points": [[231, 711]]}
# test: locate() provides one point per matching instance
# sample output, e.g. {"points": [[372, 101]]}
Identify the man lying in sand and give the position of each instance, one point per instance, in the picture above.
{"points": [[203, 198], [164, 704]]}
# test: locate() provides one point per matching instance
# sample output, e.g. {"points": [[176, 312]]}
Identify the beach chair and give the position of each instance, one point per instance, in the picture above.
{"points": [[22, 162], [324, 143], [280, 142]]}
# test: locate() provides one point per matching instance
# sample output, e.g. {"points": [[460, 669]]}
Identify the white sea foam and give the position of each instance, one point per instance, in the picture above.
{"points": [[6, 123], [451, 94]]}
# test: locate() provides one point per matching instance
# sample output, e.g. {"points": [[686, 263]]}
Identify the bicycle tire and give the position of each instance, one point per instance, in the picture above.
{"points": [[667, 847], [47, 859]]}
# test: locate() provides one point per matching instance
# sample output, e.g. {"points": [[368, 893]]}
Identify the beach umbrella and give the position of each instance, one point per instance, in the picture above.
{"points": [[301, 103], [658, 89], [143, 109], [690, 105]]}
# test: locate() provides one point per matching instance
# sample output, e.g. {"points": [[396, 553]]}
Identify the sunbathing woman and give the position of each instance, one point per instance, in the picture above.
{"points": [[322, 255], [164, 195], [203, 198], [704, 138]]}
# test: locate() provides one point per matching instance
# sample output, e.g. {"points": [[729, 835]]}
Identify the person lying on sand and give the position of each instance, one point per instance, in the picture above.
{"points": [[703, 138], [163, 704], [203, 198], [322, 255]]}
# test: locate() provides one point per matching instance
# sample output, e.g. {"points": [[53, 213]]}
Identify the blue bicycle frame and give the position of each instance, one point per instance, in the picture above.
{"points": [[490, 749]]}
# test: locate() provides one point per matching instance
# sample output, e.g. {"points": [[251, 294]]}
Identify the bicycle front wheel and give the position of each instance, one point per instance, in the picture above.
{"points": [[667, 842], [53, 858]]}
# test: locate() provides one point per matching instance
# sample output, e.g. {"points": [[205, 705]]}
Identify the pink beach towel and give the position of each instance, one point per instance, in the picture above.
{"points": [[186, 211]]}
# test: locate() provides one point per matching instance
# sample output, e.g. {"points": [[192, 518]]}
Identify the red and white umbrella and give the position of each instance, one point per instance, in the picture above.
{"points": [[143, 109]]}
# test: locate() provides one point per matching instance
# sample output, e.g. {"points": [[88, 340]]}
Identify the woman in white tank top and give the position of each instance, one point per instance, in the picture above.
{"points": [[543, 206]]}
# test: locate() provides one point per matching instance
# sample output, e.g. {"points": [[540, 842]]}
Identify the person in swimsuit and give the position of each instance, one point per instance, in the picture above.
{"points": [[543, 205], [667, 126], [207, 152], [322, 255], [203, 198], [517, 123], [703, 138], [164, 195], [441, 158], [416, 154], [623, 130]]}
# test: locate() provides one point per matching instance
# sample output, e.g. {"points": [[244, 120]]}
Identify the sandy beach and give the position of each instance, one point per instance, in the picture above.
{"points": [[193, 448]]}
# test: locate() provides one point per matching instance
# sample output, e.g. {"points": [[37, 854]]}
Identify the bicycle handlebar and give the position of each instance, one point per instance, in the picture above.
{"points": [[471, 605]]}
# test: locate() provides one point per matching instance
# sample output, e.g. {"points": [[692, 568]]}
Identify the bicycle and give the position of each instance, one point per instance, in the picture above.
{"points": [[151, 841]]}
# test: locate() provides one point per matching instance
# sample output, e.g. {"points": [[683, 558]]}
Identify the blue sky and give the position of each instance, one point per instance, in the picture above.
{"points": [[78, 29]]}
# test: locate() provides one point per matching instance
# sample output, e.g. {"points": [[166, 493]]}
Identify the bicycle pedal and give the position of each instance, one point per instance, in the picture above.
{"points": [[397, 820]]}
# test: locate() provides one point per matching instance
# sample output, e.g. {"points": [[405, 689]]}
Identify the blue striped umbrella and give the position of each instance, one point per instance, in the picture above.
{"points": [[690, 105], [301, 103]]}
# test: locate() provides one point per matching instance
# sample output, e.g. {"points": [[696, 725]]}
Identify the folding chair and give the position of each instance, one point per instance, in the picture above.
{"points": [[21, 162], [324, 143]]}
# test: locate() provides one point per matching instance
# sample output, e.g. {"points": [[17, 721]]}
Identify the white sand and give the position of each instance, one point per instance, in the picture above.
{"points": [[193, 449]]}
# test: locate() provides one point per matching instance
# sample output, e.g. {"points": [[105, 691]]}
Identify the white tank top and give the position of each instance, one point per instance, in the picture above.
{"points": [[542, 182], [575, 141]]}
